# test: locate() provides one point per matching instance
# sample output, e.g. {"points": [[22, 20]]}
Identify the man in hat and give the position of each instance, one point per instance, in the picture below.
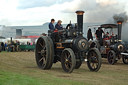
{"points": [[51, 26], [58, 25], [99, 33]]}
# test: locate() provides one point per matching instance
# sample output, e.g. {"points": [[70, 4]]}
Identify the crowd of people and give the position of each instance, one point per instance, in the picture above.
{"points": [[12, 46], [8, 46]]}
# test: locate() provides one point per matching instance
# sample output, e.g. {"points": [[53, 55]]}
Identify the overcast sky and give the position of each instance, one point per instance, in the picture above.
{"points": [[37, 12]]}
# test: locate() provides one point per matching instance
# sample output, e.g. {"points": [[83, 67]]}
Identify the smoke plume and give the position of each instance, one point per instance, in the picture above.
{"points": [[122, 17], [98, 11]]}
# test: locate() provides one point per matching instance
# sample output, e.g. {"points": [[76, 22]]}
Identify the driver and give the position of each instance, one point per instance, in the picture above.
{"points": [[58, 25], [51, 26]]}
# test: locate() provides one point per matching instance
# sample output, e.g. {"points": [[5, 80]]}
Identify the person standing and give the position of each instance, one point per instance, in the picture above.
{"points": [[99, 33], [2, 45], [51, 26], [99, 37], [5, 45], [89, 34], [58, 25]]}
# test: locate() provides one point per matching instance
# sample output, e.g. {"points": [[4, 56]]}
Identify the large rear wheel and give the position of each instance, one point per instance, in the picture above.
{"points": [[94, 59], [68, 60], [43, 53]]}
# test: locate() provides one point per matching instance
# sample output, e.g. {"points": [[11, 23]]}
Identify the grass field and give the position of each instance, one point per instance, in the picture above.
{"points": [[19, 68]]}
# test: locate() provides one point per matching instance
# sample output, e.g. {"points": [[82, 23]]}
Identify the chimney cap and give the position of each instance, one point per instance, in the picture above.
{"points": [[79, 12], [119, 22]]}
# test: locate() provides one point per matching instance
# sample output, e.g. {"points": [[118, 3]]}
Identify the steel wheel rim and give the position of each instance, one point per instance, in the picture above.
{"points": [[68, 60]]}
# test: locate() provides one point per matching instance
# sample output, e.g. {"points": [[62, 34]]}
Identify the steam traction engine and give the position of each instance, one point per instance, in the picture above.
{"points": [[112, 47], [67, 46]]}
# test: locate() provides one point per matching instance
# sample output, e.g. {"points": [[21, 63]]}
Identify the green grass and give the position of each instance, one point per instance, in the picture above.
{"points": [[10, 78], [20, 68]]}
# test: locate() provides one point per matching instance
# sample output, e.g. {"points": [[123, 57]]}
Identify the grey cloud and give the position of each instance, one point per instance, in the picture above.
{"points": [[97, 12]]}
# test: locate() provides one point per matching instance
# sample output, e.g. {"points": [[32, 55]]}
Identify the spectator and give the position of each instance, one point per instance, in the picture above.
{"points": [[5, 45], [51, 26], [89, 34], [31, 43], [2, 45]]}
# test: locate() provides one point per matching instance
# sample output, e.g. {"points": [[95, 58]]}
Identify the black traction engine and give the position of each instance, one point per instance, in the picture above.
{"points": [[67, 46]]}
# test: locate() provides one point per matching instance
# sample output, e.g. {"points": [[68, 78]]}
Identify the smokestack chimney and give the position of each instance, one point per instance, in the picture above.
{"points": [[119, 29], [80, 22]]}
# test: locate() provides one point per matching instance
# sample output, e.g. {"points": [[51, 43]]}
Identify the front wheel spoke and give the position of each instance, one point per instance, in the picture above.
{"points": [[66, 64], [70, 63], [95, 65], [92, 64], [69, 56], [65, 56], [96, 61]]}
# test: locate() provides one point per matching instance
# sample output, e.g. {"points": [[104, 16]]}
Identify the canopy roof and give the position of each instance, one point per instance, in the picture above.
{"points": [[106, 26]]}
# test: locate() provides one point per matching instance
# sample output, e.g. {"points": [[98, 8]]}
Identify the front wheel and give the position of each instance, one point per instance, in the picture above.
{"points": [[94, 59], [68, 60], [125, 59], [111, 57]]}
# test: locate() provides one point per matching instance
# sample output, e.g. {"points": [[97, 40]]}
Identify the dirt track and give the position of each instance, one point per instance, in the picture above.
{"points": [[24, 63]]}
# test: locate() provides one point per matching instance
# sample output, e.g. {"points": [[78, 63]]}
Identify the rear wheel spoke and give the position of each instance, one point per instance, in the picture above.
{"points": [[41, 59], [41, 45]]}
